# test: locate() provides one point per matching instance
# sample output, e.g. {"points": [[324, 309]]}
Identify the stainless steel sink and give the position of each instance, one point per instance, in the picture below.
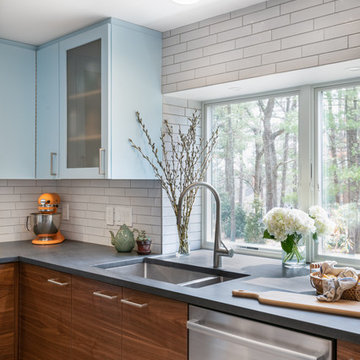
{"points": [[174, 273]]}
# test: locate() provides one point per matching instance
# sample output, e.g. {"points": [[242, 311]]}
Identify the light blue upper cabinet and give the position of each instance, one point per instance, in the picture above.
{"points": [[84, 86], [47, 164], [17, 111], [136, 86], [107, 73]]}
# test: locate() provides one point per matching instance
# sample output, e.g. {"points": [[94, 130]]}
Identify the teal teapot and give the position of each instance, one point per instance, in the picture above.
{"points": [[123, 240]]}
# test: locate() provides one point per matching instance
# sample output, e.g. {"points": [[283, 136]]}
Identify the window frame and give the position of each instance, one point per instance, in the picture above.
{"points": [[309, 153], [317, 144]]}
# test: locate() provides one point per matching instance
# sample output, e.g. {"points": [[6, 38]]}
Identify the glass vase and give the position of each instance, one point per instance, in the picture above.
{"points": [[184, 245], [296, 258]]}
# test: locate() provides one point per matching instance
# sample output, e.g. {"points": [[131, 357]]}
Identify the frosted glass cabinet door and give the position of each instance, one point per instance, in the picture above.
{"points": [[83, 104]]}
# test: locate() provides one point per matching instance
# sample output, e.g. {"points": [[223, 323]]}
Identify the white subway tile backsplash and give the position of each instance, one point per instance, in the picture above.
{"points": [[248, 10], [342, 30], [297, 5], [253, 39], [188, 55], [262, 15], [282, 55], [243, 63], [354, 40], [341, 55], [222, 78], [313, 12], [215, 20], [195, 34], [341, 5], [337, 18], [219, 48], [234, 33], [205, 41], [262, 48], [272, 23], [209, 70], [173, 40], [226, 56], [325, 46], [302, 39], [257, 71], [226, 25], [297, 64], [293, 29]]}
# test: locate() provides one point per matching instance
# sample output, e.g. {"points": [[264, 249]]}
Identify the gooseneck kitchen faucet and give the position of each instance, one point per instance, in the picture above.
{"points": [[218, 251]]}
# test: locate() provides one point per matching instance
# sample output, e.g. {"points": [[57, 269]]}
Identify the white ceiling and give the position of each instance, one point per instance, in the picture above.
{"points": [[38, 21]]}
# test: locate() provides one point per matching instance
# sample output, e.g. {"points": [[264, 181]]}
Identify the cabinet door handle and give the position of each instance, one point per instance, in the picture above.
{"points": [[59, 283], [127, 302], [100, 294], [52, 155], [101, 171]]}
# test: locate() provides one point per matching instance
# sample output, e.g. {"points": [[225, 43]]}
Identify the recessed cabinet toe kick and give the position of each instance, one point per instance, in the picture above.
{"points": [[213, 335]]}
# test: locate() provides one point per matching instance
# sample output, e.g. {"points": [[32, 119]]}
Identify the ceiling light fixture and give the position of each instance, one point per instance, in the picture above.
{"points": [[186, 2]]}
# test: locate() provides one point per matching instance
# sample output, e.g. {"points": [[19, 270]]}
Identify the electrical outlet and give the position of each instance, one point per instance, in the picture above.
{"points": [[65, 211], [109, 215], [123, 215]]}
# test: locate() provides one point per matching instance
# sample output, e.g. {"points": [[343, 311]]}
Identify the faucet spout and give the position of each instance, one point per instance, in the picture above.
{"points": [[218, 250]]}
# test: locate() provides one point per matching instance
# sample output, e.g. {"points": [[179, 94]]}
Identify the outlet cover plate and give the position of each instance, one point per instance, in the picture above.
{"points": [[123, 215]]}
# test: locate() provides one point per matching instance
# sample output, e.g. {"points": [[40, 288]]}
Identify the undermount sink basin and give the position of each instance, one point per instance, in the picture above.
{"points": [[174, 273]]}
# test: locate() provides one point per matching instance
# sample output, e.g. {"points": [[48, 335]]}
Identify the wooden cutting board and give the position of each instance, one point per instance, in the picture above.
{"points": [[302, 301]]}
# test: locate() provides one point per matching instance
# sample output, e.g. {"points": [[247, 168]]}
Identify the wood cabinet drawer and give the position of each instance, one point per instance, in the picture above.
{"points": [[96, 320], [348, 351], [154, 328], [8, 311], [45, 308]]}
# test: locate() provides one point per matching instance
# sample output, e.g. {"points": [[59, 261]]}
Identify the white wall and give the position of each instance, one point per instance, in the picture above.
{"points": [[176, 111]]}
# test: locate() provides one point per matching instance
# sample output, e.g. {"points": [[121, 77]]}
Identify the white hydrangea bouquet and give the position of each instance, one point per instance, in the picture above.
{"points": [[290, 226], [324, 226]]}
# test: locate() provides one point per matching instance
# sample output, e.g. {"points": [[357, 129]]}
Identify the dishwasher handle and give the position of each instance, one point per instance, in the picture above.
{"points": [[194, 325]]}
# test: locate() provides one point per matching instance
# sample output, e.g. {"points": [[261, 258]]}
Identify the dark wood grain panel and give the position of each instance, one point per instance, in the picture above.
{"points": [[155, 331], [8, 311], [45, 314], [96, 320], [348, 351]]}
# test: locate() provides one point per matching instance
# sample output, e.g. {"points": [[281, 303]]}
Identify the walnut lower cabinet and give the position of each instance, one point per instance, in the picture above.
{"points": [[45, 314], [96, 320], [8, 311], [65, 317], [347, 351], [154, 328]]}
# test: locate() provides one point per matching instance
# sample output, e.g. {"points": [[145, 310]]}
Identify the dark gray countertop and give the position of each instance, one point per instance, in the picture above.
{"points": [[79, 258]]}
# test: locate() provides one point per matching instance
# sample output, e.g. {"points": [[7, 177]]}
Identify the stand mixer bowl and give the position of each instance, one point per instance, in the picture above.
{"points": [[45, 226]]}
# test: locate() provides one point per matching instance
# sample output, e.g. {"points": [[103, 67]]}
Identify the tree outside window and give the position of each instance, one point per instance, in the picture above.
{"points": [[255, 164]]}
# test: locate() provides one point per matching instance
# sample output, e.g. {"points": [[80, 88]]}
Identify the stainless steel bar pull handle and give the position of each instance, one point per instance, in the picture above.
{"points": [[131, 303], [56, 282], [101, 165], [52, 155], [100, 294], [194, 325]]}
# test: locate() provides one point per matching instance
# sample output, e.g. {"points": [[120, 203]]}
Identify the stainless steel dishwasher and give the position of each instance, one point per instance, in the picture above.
{"points": [[214, 335]]}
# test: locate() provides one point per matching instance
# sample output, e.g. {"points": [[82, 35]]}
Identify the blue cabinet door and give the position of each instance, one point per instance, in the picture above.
{"points": [[47, 154], [84, 115], [136, 86], [17, 111]]}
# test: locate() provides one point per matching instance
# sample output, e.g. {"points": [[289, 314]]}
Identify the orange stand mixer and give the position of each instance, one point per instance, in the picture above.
{"points": [[46, 223]]}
